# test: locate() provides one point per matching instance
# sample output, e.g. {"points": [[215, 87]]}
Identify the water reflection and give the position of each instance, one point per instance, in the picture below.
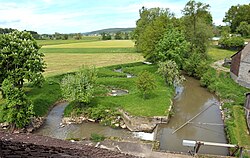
{"points": [[192, 101]]}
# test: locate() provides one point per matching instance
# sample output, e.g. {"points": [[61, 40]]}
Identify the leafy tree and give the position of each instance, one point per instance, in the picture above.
{"points": [[173, 46], [197, 25], [20, 61], [237, 14], [78, 36], [150, 29], [126, 36], [170, 72], [118, 35], [106, 36], [244, 29], [79, 87], [195, 65], [17, 109], [225, 31], [145, 83], [65, 36]]}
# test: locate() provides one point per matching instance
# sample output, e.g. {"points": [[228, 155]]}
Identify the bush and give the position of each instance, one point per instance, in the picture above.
{"points": [[233, 42], [79, 87], [145, 83]]}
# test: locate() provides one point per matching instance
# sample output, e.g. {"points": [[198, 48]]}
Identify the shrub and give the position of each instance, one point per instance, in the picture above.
{"points": [[79, 87], [233, 42], [170, 72], [145, 83]]}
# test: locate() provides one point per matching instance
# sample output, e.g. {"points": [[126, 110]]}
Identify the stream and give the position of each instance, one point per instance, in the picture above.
{"points": [[208, 126], [190, 100]]}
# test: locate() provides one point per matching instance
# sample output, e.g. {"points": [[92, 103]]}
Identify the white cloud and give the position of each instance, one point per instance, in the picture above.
{"points": [[49, 16]]}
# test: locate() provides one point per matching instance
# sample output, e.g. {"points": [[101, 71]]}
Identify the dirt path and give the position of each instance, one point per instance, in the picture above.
{"points": [[218, 66]]}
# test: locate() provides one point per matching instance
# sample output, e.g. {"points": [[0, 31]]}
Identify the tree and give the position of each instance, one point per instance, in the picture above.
{"points": [[197, 16], [145, 83], [244, 29], [79, 87], [106, 36], [237, 14], [78, 36], [126, 36], [173, 46], [17, 109], [170, 72], [150, 29], [20, 61], [118, 35]]}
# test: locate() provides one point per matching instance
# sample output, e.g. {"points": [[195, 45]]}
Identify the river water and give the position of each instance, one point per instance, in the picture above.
{"points": [[208, 126], [191, 99]]}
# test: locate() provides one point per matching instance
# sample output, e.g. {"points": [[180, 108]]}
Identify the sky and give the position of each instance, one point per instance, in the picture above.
{"points": [[75, 16]]}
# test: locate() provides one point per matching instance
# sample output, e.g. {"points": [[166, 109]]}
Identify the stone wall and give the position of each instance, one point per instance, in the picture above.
{"points": [[30, 145], [145, 124]]}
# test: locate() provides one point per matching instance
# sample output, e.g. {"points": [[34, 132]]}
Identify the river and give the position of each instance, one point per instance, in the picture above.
{"points": [[187, 104]]}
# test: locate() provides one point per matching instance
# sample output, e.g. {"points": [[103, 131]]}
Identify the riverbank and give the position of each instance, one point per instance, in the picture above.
{"points": [[109, 105], [232, 98]]}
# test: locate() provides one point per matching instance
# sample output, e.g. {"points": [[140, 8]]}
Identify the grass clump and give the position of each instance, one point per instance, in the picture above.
{"points": [[97, 137]]}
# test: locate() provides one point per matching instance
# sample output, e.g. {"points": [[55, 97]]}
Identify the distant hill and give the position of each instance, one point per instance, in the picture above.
{"points": [[110, 30]]}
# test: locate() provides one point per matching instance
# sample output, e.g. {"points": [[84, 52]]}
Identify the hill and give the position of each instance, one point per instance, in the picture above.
{"points": [[110, 30]]}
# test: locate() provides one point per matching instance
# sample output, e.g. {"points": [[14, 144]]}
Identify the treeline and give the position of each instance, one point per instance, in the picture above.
{"points": [[117, 36]]}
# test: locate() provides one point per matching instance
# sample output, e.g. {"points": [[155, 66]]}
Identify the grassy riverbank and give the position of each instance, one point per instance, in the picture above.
{"points": [[233, 97], [156, 105]]}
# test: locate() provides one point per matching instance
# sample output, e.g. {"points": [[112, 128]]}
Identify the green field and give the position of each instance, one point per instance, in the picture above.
{"points": [[56, 42], [63, 58], [96, 44], [217, 53]]}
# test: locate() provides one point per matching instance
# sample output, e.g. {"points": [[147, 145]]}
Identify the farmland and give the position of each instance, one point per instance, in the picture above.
{"points": [[67, 57]]}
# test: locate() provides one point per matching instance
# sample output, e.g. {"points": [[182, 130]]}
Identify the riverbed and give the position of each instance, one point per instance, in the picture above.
{"points": [[190, 100]]}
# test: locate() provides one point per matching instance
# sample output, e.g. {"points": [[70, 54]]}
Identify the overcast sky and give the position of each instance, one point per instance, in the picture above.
{"points": [[71, 16]]}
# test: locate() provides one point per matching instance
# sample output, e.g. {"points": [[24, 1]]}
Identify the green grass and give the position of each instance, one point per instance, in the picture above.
{"points": [[217, 53], [157, 103], [227, 89], [43, 98], [237, 127], [87, 50], [96, 44], [58, 42], [59, 63]]}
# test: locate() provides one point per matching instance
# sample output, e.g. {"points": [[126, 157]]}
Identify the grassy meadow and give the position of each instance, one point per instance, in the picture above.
{"points": [[217, 53], [67, 57]]}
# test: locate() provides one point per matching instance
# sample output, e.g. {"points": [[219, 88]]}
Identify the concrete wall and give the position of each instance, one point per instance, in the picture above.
{"points": [[244, 73]]}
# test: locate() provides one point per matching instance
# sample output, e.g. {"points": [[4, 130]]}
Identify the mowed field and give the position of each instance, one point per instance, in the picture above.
{"points": [[68, 57]]}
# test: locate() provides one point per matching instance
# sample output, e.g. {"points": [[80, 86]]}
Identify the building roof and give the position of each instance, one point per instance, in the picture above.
{"points": [[245, 51]]}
